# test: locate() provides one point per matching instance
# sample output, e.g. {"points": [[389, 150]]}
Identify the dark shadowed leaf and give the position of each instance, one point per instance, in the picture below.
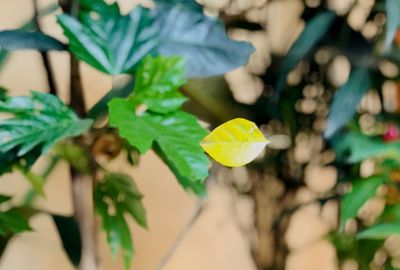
{"points": [[200, 39], [313, 32], [380, 231], [393, 20], [116, 195], [13, 40], [36, 124], [362, 190], [346, 100], [192, 4], [70, 236], [109, 41]]}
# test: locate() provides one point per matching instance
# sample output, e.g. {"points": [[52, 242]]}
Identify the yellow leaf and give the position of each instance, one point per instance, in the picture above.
{"points": [[234, 143]]}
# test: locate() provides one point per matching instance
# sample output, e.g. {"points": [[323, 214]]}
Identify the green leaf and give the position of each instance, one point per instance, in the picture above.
{"points": [[75, 155], [362, 190], [176, 135], [25, 40], [12, 222], [37, 123], [393, 20], [391, 213], [36, 181], [184, 3], [200, 39], [115, 196], [157, 84], [4, 198], [4, 54], [313, 32], [109, 41], [68, 230], [122, 91], [355, 147], [346, 100], [380, 231]]}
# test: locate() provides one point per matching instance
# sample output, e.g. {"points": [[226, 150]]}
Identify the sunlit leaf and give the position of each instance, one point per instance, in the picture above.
{"points": [[361, 191], [346, 100], [116, 195], [157, 82], [161, 125], [234, 143], [176, 135]]}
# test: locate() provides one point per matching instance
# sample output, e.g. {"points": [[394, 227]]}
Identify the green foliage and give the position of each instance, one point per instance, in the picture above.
{"points": [[157, 82], [362, 190], [393, 20], [314, 31], [70, 236], [354, 147], [380, 231], [163, 131], [115, 44], [200, 39], [37, 123], [11, 221], [109, 41], [346, 100], [115, 196], [25, 40]]}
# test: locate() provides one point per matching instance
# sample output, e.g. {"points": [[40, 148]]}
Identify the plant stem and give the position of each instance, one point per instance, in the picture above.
{"points": [[82, 186], [45, 56], [181, 236]]}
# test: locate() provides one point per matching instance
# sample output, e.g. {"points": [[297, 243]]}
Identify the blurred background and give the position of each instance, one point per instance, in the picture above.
{"points": [[233, 232]]}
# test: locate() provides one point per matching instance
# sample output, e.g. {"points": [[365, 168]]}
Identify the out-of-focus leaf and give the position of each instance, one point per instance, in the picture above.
{"points": [[38, 122], [4, 198], [69, 233], [12, 222], [3, 94], [362, 190], [177, 134], [75, 155], [391, 214], [234, 143], [157, 84], [121, 91], [313, 32], [346, 100], [355, 147], [380, 231], [393, 20], [185, 3], [200, 39], [109, 41], [36, 181], [13, 40], [115, 196]]}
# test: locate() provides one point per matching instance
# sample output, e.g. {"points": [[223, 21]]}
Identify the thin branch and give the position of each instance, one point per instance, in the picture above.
{"points": [[45, 56], [181, 236]]}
